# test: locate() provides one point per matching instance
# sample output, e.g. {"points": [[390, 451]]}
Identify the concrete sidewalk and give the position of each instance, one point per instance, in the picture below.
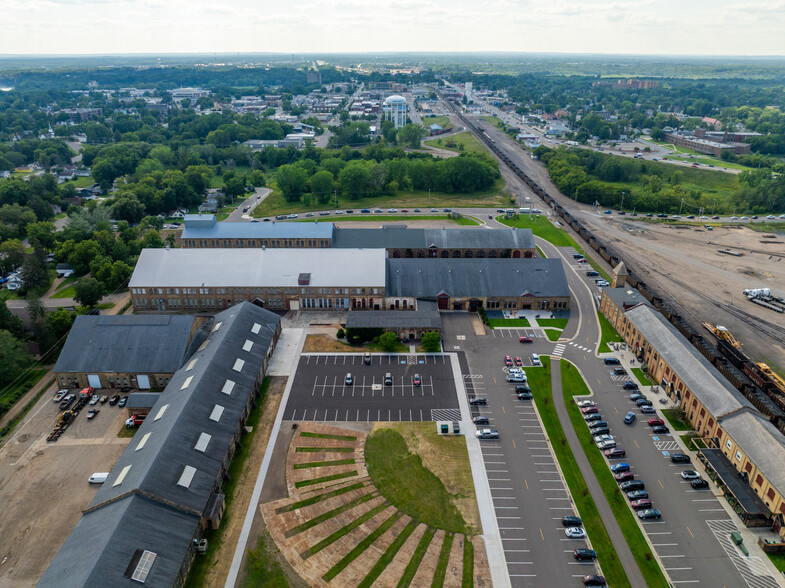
{"points": [[614, 531]]}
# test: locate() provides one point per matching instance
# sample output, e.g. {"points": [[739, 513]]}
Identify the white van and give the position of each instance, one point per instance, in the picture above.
{"points": [[98, 478]]}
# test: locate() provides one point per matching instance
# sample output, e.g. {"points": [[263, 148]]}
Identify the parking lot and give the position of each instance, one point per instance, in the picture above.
{"points": [[44, 485], [320, 391]]}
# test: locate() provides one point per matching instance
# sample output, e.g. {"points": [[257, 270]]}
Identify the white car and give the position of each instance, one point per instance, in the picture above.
{"points": [[690, 475], [607, 444], [516, 377], [535, 359], [601, 438], [60, 395], [585, 403], [575, 532], [95, 399], [771, 216], [392, 210]]}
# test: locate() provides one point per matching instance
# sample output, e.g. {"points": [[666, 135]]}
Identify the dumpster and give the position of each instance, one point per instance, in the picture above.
{"points": [[445, 429]]}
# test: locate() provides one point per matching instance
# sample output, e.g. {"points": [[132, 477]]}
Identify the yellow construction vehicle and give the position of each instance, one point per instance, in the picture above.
{"points": [[65, 418], [779, 382], [723, 334]]}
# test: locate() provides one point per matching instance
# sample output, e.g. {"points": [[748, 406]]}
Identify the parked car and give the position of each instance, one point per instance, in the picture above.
{"points": [[98, 478], [508, 361], [592, 273], [611, 361], [641, 503], [632, 485], [475, 400], [643, 402], [629, 386], [525, 396], [535, 359], [114, 400], [67, 401], [624, 476], [619, 468], [575, 532], [597, 431], [680, 458], [349, 379], [629, 418], [619, 371], [660, 429], [602, 437], [585, 403], [367, 359], [649, 513], [516, 377], [584, 554], [522, 388], [518, 361], [602, 283], [647, 409], [525, 340], [487, 434], [122, 402], [699, 483], [595, 416], [590, 410], [94, 400], [594, 580], [571, 521], [60, 395], [635, 396], [637, 494], [481, 420], [104, 399], [135, 421], [615, 453], [417, 380], [690, 475], [607, 444]]}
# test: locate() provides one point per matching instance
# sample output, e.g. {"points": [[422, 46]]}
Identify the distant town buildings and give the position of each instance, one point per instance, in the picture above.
{"points": [[631, 84], [710, 143]]}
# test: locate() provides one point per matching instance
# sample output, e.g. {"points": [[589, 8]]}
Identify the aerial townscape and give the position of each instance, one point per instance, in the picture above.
{"points": [[434, 295]]}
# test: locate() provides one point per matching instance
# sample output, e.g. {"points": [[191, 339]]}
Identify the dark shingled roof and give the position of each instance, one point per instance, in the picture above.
{"points": [[155, 461], [425, 317], [494, 278], [126, 343], [403, 238]]}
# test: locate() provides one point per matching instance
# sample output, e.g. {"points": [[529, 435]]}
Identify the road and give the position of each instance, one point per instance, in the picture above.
{"points": [[242, 212]]}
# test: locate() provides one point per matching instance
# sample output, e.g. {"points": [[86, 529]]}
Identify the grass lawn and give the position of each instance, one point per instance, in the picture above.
{"points": [[466, 221], [372, 218], [494, 120], [609, 334], [574, 385], [402, 479], [676, 420], [217, 181], [552, 334], [263, 569], [540, 382], [275, 203], [560, 323], [442, 121], [417, 556], [778, 559], [691, 440], [518, 322], [641, 377], [540, 251], [15, 390], [83, 182], [67, 292], [127, 432], [541, 227], [464, 142]]}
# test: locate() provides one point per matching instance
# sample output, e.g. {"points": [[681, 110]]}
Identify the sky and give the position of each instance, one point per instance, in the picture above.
{"points": [[652, 27]]}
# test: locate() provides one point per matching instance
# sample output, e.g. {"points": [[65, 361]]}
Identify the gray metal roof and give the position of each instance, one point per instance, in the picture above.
{"points": [[199, 227], [742, 491], [253, 268], [625, 297], [99, 550], [162, 451], [142, 400], [126, 343], [761, 441], [405, 238], [425, 317], [494, 278], [709, 386]]}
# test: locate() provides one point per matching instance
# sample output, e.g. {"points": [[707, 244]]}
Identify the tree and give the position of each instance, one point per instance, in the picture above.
{"points": [[292, 181], [388, 341], [9, 322], [13, 357], [34, 273], [322, 185], [88, 291], [410, 135], [354, 179], [431, 342], [12, 254], [42, 235], [127, 207], [60, 322]]}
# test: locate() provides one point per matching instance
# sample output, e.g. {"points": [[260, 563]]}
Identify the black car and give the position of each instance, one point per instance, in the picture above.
{"points": [[635, 396], [619, 371], [611, 361], [600, 431], [699, 483], [478, 400], [594, 580], [592, 273], [660, 429], [643, 402], [114, 400], [630, 386], [597, 424], [584, 554], [524, 395], [67, 401], [632, 485], [680, 458], [522, 388], [571, 521], [481, 420], [595, 416]]}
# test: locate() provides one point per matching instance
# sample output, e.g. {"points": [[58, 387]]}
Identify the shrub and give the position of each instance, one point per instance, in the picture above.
{"points": [[431, 341], [340, 334]]}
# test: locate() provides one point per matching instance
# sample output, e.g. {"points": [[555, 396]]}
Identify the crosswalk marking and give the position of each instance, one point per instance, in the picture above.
{"points": [[445, 414], [752, 569], [559, 349]]}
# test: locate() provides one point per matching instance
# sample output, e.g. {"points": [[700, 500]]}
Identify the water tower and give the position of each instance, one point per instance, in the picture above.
{"points": [[395, 110]]}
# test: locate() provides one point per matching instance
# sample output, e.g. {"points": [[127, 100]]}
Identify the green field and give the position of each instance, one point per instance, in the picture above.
{"points": [[641, 377], [19, 387], [402, 479], [521, 322], [494, 120], [676, 419], [540, 382], [442, 121], [609, 334], [573, 384], [67, 292], [541, 227], [466, 221], [778, 559], [466, 140], [275, 203]]}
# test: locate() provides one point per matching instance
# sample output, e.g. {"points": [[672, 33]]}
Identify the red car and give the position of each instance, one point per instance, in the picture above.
{"points": [[525, 340], [641, 503], [590, 410], [653, 422], [518, 361], [624, 476], [615, 452], [88, 392], [508, 361]]}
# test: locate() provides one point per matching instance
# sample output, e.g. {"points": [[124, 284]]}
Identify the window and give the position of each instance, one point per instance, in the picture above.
{"points": [[759, 479], [748, 467], [728, 444], [142, 442], [770, 494], [247, 345], [216, 327], [143, 567], [238, 365], [201, 444], [187, 476], [738, 456], [218, 410], [191, 365], [186, 383], [256, 328], [161, 412], [121, 477], [228, 387]]}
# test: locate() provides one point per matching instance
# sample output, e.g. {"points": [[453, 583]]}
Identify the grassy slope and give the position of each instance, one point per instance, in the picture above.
{"points": [[609, 334], [469, 142]]}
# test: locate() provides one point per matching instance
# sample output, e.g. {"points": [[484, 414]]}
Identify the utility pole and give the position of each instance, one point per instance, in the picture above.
{"points": [[429, 196], [713, 206], [335, 193], [621, 206], [681, 205]]}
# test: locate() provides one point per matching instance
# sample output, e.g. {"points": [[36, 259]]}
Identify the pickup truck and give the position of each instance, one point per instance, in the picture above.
{"points": [[135, 421]]}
